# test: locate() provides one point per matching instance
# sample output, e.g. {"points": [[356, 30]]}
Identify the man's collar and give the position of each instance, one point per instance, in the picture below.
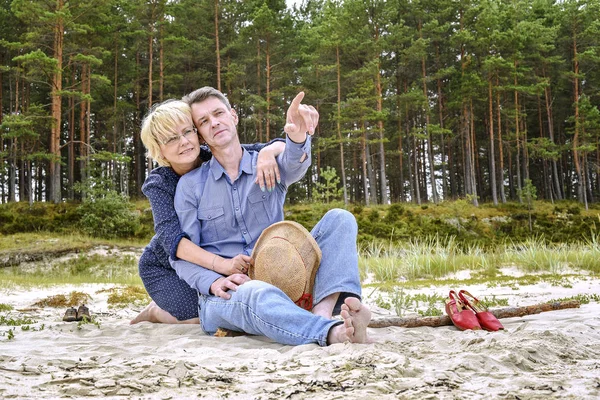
{"points": [[218, 171], [246, 164]]}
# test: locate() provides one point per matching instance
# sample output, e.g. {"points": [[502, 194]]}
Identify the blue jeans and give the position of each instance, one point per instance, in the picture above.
{"points": [[259, 308]]}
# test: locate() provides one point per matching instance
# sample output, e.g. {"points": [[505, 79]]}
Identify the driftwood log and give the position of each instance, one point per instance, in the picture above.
{"points": [[443, 320]]}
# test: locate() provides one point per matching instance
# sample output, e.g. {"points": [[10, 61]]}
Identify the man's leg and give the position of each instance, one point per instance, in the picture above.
{"points": [[259, 308], [338, 277]]}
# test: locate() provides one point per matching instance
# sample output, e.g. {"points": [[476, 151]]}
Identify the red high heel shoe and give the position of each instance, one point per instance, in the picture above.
{"points": [[462, 317], [487, 320]]}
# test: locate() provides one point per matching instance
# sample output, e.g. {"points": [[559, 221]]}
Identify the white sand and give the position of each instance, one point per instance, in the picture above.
{"points": [[549, 355]]}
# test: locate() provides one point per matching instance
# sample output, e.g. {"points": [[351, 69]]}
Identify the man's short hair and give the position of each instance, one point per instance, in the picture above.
{"points": [[160, 123], [199, 95]]}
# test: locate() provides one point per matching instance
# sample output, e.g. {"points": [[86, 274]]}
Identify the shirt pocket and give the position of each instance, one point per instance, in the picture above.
{"points": [[258, 203], [210, 219]]}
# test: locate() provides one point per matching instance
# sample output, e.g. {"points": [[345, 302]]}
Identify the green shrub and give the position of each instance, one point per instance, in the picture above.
{"points": [[357, 209], [374, 215], [394, 212], [108, 216], [575, 210]]}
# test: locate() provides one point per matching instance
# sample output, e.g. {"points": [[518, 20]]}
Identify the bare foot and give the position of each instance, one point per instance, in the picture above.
{"points": [[356, 318], [153, 313], [148, 314]]}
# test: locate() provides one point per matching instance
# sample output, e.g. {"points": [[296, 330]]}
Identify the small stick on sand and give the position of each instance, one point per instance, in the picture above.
{"points": [[443, 320]]}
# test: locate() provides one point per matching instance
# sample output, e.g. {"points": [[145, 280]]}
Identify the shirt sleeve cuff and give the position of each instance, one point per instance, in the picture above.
{"points": [[175, 244], [196, 276], [298, 150]]}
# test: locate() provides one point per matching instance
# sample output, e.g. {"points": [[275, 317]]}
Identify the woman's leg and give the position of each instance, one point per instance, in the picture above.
{"points": [[153, 313], [173, 300]]}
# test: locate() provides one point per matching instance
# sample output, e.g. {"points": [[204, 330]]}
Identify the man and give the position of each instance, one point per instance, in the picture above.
{"points": [[221, 209]]}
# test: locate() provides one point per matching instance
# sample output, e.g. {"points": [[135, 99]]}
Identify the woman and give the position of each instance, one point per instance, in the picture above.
{"points": [[171, 139]]}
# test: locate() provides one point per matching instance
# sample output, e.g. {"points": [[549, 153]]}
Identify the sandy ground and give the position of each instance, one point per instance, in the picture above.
{"points": [[550, 355]]}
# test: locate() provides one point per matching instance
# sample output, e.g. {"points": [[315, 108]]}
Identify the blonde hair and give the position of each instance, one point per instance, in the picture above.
{"points": [[160, 124]]}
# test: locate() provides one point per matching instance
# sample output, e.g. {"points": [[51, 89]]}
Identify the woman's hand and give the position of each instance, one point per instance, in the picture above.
{"points": [[236, 265], [267, 170]]}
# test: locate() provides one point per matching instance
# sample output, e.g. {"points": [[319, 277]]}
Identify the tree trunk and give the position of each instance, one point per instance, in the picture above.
{"points": [[558, 191], [500, 144], [56, 88], [417, 180], [88, 115], [71, 140], [466, 135], [338, 124], [137, 143], [260, 114], [382, 173], [492, 157], [364, 161], [268, 90], [83, 151], [517, 139], [116, 171], [511, 183], [580, 185], [475, 156], [402, 194], [370, 171], [150, 65], [434, 192], [217, 46], [440, 99], [161, 59], [525, 149]]}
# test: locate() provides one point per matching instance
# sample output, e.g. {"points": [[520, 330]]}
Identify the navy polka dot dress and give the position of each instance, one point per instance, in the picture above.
{"points": [[161, 281]]}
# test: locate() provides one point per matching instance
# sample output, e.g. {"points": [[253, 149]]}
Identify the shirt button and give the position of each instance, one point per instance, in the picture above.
{"points": [[264, 196], [244, 232], [234, 188], [237, 209], [209, 217]]}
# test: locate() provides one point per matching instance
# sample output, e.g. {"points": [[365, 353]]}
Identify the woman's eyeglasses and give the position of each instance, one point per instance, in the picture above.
{"points": [[176, 139]]}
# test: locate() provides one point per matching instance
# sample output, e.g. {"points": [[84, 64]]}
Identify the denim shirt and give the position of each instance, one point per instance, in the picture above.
{"points": [[159, 187], [226, 217]]}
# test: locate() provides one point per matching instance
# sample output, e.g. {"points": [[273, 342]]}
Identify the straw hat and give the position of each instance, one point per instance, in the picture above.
{"points": [[287, 256]]}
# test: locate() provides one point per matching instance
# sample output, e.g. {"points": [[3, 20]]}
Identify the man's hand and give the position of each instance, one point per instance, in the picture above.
{"points": [[300, 119], [221, 286], [235, 265]]}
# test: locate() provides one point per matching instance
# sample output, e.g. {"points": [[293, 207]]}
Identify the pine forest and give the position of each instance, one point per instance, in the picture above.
{"points": [[419, 101]]}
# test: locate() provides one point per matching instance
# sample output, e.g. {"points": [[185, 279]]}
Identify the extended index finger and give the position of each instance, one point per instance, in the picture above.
{"points": [[296, 102]]}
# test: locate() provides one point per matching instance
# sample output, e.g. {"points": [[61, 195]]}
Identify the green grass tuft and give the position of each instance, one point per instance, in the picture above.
{"points": [[5, 307]]}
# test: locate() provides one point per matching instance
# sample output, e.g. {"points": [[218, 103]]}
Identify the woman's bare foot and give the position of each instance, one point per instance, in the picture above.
{"points": [[356, 318], [153, 313]]}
